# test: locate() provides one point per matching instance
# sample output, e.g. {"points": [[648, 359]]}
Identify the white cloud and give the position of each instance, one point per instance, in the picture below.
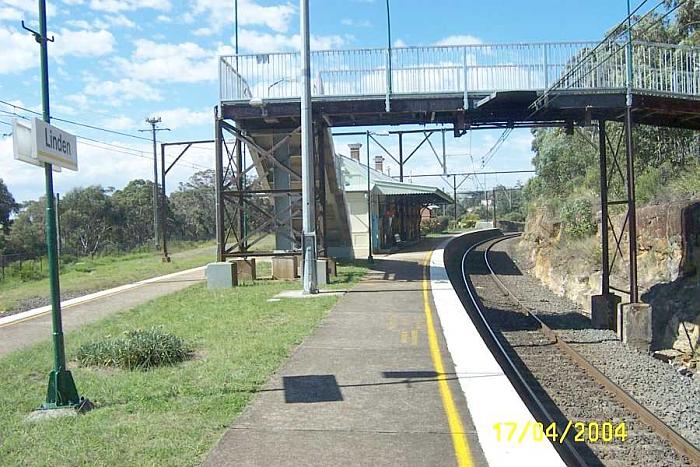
{"points": [[179, 63], [28, 7], [355, 24], [400, 43], [250, 13], [116, 92], [183, 117], [83, 43], [10, 14], [116, 6], [262, 42], [120, 123], [20, 52], [459, 40], [121, 21]]}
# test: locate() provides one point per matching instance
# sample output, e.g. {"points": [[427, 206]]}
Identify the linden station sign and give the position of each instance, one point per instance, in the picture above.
{"points": [[43, 142]]}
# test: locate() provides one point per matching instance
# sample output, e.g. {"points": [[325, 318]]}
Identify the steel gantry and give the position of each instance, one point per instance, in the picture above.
{"points": [[259, 195]]}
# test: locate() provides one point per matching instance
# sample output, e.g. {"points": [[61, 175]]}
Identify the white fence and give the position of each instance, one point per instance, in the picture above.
{"points": [[481, 69]]}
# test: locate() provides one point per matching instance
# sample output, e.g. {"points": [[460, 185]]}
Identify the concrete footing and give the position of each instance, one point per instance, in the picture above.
{"points": [[285, 267], [245, 269], [221, 275], [332, 267], [634, 325], [321, 272], [604, 311]]}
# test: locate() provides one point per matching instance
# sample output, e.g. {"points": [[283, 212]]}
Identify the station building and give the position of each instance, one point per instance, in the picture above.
{"points": [[395, 206]]}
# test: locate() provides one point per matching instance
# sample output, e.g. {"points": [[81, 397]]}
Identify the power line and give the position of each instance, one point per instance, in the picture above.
{"points": [[71, 122]]}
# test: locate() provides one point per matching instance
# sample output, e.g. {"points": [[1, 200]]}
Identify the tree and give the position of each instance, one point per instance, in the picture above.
{"points": [[8, 206], [88, 220], [134, 209], [193, 205], [27, 234]]}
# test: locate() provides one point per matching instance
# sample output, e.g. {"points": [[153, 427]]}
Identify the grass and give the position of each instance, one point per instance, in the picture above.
{"points": [[104, 272], [170, 415]]}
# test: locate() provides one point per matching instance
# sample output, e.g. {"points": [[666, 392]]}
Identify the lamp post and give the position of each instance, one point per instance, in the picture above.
{"points": [[307, 160]]}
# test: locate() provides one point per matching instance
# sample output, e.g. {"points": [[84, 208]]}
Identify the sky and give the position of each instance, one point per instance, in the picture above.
{"points": [[115, 63]]}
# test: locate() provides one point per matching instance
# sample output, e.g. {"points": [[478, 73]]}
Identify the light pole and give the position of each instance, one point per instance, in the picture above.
{"points": [[307, 159], [153, 121], [388, 75]]}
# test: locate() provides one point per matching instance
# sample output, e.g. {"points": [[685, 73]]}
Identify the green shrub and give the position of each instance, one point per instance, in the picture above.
{"points": [[577, 216], [137, 349], [434, 225]]}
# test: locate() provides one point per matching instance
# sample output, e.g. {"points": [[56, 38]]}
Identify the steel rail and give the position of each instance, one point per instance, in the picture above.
{"points": [[657, 425], [570, 447]]}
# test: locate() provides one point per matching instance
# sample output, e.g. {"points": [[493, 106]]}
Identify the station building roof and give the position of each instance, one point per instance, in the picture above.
{"points": [[355, 180]]}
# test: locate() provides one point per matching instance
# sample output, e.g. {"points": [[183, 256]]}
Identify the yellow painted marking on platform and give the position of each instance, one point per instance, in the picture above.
{"points": [[459, 440], [414, 337], [392, 321], [404, 337]]}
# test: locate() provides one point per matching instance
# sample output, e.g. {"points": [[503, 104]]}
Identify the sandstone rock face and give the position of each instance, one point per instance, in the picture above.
{"points": [[668, 265]]}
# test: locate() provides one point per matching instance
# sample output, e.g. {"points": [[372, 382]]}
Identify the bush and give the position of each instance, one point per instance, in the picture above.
{"points": [[434, 225], [136, 349], [577, 217]]}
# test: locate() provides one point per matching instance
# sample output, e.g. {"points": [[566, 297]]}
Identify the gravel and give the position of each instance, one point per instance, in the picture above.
{"points": [[673, 397], [568, 392], [36, 302]]}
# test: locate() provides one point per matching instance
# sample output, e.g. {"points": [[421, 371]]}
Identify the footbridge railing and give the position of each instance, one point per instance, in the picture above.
{"points": [[482, 69]]}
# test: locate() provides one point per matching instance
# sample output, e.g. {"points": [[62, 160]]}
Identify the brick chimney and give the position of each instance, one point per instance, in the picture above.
{"points": [[355, 151], [379, 163]]}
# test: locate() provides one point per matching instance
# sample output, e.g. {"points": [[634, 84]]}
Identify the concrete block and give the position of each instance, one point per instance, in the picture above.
{"points": [[285, 267], [245, 269], [634, 325], [321, 272], [332, 267], [221, 275], [604, 311]]}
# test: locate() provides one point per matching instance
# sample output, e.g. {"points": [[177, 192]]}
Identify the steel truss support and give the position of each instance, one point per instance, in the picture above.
{"points": [[616, 178], [249, 203]]}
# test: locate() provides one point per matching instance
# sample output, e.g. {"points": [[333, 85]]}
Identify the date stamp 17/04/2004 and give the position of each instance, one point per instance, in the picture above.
{"points": [[582, 432]]}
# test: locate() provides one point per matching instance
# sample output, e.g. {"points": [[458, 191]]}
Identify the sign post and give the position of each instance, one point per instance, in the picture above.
{"points": [[51, 146]]}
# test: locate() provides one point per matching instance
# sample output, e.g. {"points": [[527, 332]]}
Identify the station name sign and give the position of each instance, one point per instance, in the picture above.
{"points": [[54, 145], [37, 143]]}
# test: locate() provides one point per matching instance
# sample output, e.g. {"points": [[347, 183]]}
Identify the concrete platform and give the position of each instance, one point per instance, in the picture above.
{"points": [[364, 389]]}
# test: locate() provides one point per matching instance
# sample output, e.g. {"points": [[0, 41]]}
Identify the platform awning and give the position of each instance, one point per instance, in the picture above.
{"points": [[421, 193]]}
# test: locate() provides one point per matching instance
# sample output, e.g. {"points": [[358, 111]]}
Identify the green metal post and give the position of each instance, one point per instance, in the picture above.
{"points": [[61, 390]]}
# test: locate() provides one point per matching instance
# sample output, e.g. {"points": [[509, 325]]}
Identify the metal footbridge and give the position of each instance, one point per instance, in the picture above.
{"points": [[470, 85], [568, 84]]}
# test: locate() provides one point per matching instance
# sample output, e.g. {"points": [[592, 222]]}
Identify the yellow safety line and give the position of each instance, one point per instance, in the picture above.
{"points": [[459, 440]]}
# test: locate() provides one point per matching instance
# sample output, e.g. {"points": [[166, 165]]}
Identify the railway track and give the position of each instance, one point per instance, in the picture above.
{"points": [[565, 392]]}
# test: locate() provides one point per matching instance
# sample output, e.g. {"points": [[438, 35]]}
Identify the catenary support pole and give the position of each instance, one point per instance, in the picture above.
{"points": [[631, 197], [370, 258], [307, 160], [454, 194], [401, 157], [62, 391], [163, 207], [218, 188], [495, 223], [605, 246]]}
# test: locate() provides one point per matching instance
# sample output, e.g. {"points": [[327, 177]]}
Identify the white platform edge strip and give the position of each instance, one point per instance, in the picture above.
{"points": [[87, 298], [491, 398]]}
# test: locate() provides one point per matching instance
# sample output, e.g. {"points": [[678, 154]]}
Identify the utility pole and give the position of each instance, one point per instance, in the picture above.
{"points": [[153, 121], [307, 159], [61, 392]]}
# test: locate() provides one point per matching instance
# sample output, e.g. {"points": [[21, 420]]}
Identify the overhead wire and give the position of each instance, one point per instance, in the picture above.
{"points": [[105, 145], [71, 122]]}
